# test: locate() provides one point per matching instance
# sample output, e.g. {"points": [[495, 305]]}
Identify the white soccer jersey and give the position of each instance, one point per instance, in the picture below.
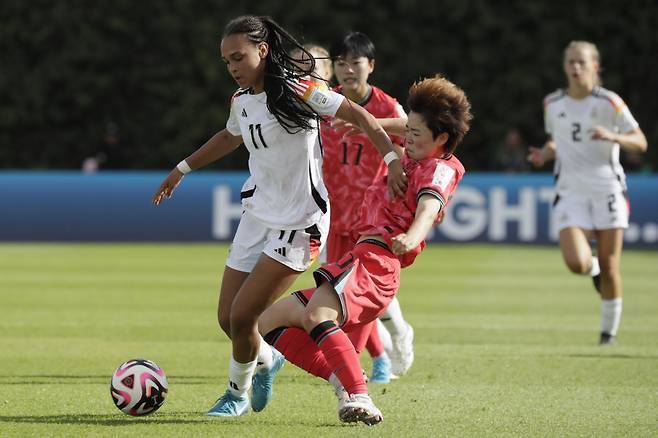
{"points": [[285, 190], [583, 165]]}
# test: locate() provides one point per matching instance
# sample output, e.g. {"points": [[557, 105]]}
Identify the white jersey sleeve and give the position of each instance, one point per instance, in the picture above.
{"points": [[548, 123], [317, 95], [548, 114], [624, 120], [232, 124]]}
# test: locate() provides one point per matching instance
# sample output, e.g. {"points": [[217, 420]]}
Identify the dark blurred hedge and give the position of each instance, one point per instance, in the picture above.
{"points": [[142, 82]]}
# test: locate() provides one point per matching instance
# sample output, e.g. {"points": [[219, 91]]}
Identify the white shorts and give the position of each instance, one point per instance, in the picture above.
{"points": [[592, 212], [296, 249]]}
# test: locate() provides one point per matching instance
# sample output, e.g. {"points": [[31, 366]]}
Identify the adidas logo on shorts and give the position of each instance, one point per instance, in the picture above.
{"points": [[281, 251]]}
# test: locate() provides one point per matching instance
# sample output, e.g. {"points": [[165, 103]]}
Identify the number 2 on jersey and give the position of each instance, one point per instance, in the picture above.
{"points": [[575, 132], [611, 204]]}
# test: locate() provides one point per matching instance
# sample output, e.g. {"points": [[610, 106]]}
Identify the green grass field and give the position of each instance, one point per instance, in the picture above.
{"points": [[505, 346]]}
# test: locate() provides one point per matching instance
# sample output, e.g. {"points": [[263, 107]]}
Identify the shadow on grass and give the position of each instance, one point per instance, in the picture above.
{"points": [[117, 420], [610, 356], [100, 420], [67, 379], [97, 376], [62, 379]]}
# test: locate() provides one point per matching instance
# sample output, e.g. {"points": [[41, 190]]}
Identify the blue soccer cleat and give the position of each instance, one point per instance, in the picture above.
{"points": [[261, 387], [230, 405], [381, 370]]}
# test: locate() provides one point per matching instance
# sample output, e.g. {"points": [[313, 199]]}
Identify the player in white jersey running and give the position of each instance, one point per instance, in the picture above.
{"points": [[588, 125], [286, 213]]}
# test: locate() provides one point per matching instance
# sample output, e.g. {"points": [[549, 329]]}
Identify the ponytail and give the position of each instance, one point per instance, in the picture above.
{"points": [[293, 114]]}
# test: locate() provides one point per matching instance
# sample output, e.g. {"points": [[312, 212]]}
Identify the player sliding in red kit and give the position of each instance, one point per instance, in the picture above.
{"points": [[310, 326]]}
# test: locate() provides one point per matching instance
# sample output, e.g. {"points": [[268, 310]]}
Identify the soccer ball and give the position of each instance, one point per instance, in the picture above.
{"points": [[139, 387]]}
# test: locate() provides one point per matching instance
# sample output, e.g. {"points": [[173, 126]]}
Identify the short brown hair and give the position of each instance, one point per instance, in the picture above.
{"points": [[444, 107]]}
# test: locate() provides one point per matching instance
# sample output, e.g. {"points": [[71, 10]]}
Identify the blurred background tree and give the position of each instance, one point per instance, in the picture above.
{"points": [[139, 85]]}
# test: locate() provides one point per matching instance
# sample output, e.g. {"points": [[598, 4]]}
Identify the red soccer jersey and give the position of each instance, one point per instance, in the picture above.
{"points": [[352, 164], [385, 217]]}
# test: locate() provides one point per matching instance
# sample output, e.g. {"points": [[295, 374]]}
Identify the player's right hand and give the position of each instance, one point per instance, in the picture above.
{"points": [[397, 180], [402, 244], [536, 156], [168, 186]]}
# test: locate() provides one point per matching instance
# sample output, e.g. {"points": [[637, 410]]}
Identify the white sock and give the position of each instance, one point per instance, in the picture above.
{"points": [[610, 315], [264, 358], [239, 376], [333, 379], [596, 269], [384, 336], [393, 320]]}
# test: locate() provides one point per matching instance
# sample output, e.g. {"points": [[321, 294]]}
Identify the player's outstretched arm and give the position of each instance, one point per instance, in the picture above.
{"points": [[218, 146], [633, 141], [396, 126], [539, 156], [355, 114], [426, 214]]}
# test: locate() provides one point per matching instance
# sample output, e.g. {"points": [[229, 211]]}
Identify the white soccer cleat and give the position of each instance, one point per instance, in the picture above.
{"points": [[402, 354], [359, 407]]}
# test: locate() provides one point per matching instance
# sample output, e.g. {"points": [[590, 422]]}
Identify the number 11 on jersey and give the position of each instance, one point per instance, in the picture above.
{"points": [[256, 127]]}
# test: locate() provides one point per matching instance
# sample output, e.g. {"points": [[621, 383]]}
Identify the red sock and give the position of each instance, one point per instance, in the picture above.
{"points": [[374, 343], [341, 356], [359, 336], [298, 348]]}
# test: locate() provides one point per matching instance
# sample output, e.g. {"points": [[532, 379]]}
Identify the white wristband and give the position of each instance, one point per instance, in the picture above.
{"points": [[184, 167], [391, 156]]}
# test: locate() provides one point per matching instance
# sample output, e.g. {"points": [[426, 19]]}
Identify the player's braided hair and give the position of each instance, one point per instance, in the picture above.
{"points": [[283, 102]]}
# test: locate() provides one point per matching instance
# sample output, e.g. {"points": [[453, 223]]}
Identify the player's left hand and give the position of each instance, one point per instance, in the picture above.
{"points": [[601, 133], [402, 244], [397, 180]]}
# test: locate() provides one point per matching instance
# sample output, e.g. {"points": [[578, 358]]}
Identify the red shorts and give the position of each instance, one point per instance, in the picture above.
{"points": [[337, 246], [365, 279]]}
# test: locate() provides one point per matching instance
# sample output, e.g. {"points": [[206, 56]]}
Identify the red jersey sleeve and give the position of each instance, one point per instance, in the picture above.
{"points": [[440, 179]]}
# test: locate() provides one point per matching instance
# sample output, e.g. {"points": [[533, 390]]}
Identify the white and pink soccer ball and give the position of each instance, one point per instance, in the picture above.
{"points": [[139, 387]]}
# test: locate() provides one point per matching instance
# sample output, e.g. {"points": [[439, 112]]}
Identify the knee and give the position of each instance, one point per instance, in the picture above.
{"points": [[312, 319], [241, 321], [224, 319], [224, 322], [579, 266], [609, 267]]}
